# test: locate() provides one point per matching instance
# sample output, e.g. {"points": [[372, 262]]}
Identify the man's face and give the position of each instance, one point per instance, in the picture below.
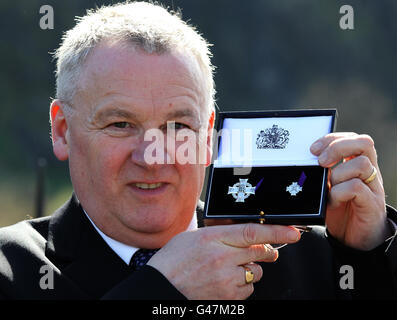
{"points": [[123, 93]]}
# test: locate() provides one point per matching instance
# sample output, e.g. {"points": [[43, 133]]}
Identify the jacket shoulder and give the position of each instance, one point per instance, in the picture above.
{"points": [[24, 231], [22, 240], [22, 253]]}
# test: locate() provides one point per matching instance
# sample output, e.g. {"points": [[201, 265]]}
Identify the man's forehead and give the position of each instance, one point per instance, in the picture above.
{"points": [[121, 59], [109, 65], [128, 78]]}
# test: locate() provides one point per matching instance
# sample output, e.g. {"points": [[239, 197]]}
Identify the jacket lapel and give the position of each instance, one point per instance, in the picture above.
{"points": [[80, 253]]}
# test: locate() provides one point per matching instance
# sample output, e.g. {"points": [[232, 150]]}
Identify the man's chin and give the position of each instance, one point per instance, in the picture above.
{"points": [[153, 219], [155, 235]]}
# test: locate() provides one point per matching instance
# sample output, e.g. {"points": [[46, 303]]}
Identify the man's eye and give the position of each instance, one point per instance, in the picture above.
{"points": [[177, 126], [121, 125]]}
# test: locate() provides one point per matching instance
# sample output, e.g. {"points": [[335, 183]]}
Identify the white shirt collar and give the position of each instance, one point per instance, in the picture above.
{"points": [[124, 251]]}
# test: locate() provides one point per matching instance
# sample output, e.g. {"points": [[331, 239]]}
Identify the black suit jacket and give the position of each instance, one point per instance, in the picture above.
{"points": [[63, 257]]}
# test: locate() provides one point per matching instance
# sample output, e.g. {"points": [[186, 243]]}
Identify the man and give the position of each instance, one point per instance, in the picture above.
{"points": [[130, 68]]}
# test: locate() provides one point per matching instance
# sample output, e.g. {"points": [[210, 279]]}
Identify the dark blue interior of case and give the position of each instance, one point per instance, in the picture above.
{"points": [[271, 195]]}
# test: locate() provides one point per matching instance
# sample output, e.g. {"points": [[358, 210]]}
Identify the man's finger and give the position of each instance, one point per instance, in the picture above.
{"points": [[359, 167], [256, 270], [320, 144], [348, 147], [255, 253], [248, 234], [354, 189]]}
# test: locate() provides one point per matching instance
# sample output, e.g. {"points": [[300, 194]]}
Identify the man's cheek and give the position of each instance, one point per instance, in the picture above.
{"points": [[106, 171], [192, 177], [187, 147]]}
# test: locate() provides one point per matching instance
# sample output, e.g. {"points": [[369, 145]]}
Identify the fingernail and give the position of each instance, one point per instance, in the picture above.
{"points": [[275, 257], [316, 147], [323, 158], [293, 235]]}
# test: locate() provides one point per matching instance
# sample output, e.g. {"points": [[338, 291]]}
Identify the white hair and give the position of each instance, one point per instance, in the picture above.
{"points": [[145, 25]]}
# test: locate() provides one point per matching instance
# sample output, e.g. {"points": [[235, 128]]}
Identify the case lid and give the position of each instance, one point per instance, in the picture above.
{"points": [[272, 141]]}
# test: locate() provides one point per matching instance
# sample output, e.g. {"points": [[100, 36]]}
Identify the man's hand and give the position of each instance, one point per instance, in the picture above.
{"points": [[208, 263], [356, 211]]}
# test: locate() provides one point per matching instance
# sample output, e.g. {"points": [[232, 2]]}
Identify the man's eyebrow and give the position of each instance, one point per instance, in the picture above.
{"points": [[113, 113], [183, 113]]}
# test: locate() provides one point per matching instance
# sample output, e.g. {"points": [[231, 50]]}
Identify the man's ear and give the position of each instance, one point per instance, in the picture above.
{"points": [[211, 122], [59, 130]]}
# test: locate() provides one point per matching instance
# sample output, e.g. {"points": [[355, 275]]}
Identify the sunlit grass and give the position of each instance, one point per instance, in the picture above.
{"points": [[17, 200]]}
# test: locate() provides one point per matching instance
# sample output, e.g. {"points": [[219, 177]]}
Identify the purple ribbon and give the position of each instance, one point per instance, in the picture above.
{"points": [[302, 179], [300, 182], [259, 183]]}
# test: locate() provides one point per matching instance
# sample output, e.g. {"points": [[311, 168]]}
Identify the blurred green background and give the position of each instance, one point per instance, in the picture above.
{"points": [[269, 54]]}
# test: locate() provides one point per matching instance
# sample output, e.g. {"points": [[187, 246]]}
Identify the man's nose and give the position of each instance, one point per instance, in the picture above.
{"points": [[151, 149]]}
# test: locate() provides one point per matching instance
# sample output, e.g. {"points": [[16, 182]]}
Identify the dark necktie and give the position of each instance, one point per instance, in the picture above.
{"points": [[141, 257]]}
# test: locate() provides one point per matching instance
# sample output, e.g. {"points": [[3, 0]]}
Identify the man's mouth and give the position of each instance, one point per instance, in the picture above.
{"points": [[146, 186]]}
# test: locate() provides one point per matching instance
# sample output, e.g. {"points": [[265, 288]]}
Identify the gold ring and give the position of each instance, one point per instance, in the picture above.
{"points": [[249, 275], [372, 176]]}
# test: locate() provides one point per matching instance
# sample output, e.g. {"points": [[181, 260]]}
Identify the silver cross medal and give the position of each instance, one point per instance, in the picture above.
{"points": [[295, 187], [241, 190]]}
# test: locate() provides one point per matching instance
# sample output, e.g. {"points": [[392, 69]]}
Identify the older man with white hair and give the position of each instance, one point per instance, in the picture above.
{"points": [[130, 229]]}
